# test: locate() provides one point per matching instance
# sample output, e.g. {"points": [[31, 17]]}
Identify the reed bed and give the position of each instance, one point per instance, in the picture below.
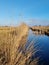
{"points": [[13, 49]]}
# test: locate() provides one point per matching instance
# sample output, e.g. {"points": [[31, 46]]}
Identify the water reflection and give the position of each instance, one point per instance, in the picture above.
{"points": [[41, 43]]}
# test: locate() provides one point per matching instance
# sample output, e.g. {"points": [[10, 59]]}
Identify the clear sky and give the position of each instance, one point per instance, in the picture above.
{"points": [[31, 11]]}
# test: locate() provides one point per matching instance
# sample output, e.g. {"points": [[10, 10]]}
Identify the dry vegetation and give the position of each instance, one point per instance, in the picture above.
{"points": [[12, 46], [40, 30], [43, 28]]}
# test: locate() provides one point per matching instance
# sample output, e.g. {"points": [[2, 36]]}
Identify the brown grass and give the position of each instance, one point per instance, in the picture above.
{"points": [[12, 46], [43, 28]]}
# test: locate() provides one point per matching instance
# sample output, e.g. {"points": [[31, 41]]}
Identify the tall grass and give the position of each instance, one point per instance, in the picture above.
{"points": [[13, 49]]}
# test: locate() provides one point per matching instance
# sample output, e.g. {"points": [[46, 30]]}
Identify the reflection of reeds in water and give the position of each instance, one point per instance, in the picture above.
{"points": [[13, 50]]}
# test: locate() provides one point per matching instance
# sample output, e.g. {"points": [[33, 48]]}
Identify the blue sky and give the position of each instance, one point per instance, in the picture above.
{"points": [[34, 12]]}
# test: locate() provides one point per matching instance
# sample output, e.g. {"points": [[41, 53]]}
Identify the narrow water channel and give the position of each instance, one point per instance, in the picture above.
{"points": [[41, 44]]}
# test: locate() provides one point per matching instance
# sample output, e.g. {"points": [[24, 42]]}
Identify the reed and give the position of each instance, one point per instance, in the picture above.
{"points": [[13, 49]]}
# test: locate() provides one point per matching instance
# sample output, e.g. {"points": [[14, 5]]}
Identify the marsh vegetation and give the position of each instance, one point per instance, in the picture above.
{"points": [[13, 50]]}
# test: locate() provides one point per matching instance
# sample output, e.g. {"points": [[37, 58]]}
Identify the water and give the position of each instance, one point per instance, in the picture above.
{"points": [[41, 43]]}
